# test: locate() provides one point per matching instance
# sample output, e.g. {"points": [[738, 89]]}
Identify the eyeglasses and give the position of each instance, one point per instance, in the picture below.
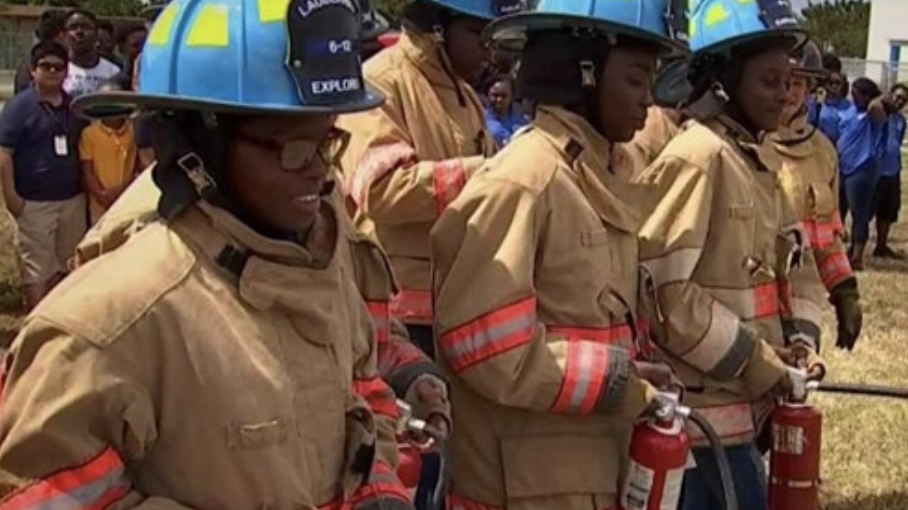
{"points": [[300, 153], [51, 67]]}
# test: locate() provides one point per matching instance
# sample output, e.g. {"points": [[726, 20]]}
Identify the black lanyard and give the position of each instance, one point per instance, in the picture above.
{"points": [[61, 127]]}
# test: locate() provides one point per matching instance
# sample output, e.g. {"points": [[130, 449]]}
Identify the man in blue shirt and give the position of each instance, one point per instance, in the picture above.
{"points": [[889, 190], [39, 166], [501, 117]]}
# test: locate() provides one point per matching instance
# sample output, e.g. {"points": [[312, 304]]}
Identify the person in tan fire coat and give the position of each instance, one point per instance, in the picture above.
{"points": [[536, 276], [223, 357], [412, 376], [735, 286], [410, 158], [664, 118], [810, 179]]}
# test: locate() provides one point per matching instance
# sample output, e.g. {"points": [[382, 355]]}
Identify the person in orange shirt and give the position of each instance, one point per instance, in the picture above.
{"points": [[107, 151]]}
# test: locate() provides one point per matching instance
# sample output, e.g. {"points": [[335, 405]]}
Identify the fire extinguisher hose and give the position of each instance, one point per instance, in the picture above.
{"points": [[725, 476], [860, 389], [441, 486]]}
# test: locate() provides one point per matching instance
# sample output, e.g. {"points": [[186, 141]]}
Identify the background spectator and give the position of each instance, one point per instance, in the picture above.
{"points": [[51, 27], [860, 147], [889, 189], [501, 117], [106, 45], [87, 68], [832, 63], [130, 38], [39, 166], [109, 159]]}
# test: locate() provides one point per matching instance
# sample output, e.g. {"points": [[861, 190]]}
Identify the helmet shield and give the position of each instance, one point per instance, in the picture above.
{"points": [[324, 51]]}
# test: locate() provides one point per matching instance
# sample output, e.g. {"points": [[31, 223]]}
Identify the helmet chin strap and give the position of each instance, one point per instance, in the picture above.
{"points": [[711, 104]]}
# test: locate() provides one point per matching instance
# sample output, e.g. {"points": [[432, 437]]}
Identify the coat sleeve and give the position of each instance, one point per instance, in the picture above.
{"points": [[691, 324], [382, 484], [484, 247], [829, 250], [799, 282], [400, 362], [385, 178], [71, 422]]}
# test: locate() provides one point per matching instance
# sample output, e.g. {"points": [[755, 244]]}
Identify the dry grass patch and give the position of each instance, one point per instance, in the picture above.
{"points": [[865, 440], [10, 295]]}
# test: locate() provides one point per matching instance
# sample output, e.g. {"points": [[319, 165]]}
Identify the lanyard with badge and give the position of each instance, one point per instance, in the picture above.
{"points": [[61, 128]]}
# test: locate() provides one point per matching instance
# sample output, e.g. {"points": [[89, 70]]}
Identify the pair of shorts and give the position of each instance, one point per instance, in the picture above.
{"points": [[47, 234], [888, 198]]}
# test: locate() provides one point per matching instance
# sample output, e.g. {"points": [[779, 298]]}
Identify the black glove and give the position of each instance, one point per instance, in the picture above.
{"points": [[384, 503], [849, 317]]}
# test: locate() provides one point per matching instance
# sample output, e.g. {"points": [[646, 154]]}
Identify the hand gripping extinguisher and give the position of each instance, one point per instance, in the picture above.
{"points": [[659, 454], [410, 453], [794, 462]]}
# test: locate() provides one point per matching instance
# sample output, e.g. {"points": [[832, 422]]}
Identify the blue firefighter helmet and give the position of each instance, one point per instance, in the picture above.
{"points": [[717, 26], [250, 56], [483, 9], [662, 22]]}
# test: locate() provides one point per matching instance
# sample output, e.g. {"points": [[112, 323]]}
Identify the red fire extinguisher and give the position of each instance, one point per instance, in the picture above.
{"points": [[794, 463], [658, 456]]}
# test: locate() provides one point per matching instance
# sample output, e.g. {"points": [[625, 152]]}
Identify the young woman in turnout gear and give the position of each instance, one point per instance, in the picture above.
{"points": [[810, 180], [223, 357], [735, 287], [410, 158], [412, 376], [536, 270]]}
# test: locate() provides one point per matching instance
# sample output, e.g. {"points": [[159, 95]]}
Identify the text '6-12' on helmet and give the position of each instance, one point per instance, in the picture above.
{"points": [[660, 22], [278, 57], [717, 26], [483, 9]]}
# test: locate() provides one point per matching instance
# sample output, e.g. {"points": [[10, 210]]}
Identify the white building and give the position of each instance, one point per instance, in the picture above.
{"points": [[887, 42]]}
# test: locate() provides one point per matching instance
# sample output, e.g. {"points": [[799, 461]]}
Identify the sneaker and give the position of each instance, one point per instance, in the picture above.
{"points": [[885, 252]]}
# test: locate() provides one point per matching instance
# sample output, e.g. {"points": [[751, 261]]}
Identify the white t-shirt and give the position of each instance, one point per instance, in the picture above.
{"points": [[80, 80]]}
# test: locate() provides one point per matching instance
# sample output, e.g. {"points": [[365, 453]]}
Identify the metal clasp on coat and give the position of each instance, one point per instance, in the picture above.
{"points": [[756, 267]]}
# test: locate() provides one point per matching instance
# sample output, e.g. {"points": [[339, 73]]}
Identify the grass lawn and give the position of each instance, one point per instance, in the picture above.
{"points": [[865, 440]]}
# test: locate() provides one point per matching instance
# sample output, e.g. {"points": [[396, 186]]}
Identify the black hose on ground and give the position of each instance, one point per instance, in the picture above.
{"points": [[725, 476], [860, 389]]}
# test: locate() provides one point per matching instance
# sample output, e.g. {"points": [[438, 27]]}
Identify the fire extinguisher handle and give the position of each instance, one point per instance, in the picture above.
{"points": [[725, 475]]}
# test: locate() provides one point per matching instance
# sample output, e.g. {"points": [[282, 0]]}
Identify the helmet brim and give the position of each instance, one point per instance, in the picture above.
{"points": [[101, 105], [799, 37], [459, 11], [511, 31], [671, 87]]}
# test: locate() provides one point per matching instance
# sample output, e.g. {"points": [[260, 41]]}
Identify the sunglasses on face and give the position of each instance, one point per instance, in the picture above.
{"points": [[301, 153], [51, 67]]}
